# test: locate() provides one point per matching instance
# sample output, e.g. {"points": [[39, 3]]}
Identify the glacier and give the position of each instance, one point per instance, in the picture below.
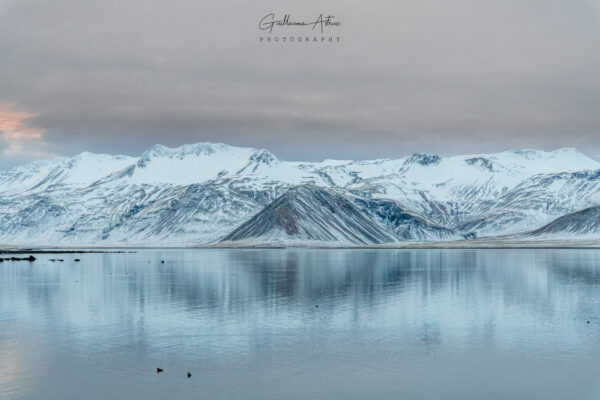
{"points": [[211, 192]]}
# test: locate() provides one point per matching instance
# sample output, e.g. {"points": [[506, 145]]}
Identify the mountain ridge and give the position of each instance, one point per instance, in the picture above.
{"points": [[201, 193]]}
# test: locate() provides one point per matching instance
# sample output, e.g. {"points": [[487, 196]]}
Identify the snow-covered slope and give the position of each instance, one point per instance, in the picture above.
{"points": [[468, 193], [200, 193], [404, 224], [78, 171], [584, 224], [535, 202], [204, 161]]}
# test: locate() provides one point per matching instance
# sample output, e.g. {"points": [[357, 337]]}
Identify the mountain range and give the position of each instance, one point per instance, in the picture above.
{"points": [[209, 193]]}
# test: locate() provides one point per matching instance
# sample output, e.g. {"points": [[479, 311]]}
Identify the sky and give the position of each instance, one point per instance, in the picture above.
{"points": [[447, 77]]}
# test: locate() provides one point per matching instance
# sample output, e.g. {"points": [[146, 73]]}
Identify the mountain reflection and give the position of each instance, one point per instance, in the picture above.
{"points": [[246, 323], [412, 297]]}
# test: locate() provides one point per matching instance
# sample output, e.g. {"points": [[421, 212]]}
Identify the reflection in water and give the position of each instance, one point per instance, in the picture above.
{"points": [[477, 323]]}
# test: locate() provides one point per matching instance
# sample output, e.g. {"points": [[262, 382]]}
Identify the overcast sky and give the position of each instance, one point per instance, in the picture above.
{"points": [[440, 76]]}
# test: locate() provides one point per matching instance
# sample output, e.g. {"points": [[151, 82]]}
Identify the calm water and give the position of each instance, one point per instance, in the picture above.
{"points": [[390, 324]]}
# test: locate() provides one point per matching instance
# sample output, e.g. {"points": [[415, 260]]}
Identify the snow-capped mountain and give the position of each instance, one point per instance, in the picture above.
{"points": [[204, 192]]}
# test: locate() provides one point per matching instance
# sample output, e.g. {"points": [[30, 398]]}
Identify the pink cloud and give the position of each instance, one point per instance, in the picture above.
{"points": [[20, 138]]}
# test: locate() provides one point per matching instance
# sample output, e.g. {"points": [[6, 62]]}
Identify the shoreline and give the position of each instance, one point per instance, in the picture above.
{"points": [[458, 245]]}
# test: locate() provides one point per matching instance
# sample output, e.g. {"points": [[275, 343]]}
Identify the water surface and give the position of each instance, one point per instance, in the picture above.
{"points": [[411, 324]]}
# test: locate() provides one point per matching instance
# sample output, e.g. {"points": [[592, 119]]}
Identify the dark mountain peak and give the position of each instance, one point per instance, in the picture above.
{"points": [[311, 213], [579, 223], [424, 159], [481, 162]]}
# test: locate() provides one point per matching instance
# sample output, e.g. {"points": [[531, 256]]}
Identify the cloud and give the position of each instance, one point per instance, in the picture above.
{"points": [[432, 75], [19, 141]]}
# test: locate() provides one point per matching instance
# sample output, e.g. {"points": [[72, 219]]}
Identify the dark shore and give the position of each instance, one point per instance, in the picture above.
{"points": [[62, 251]]}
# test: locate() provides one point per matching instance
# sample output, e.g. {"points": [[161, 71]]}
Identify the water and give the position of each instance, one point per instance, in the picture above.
{"points": [[414, 324]]}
